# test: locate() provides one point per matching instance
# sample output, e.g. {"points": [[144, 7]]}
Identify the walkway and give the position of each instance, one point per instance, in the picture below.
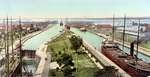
{"points": [[43, 67], [45, 58], [104, 60]]}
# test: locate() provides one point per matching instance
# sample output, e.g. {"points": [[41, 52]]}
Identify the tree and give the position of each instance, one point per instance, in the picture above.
{"points": [[76, 42], [65, 61], [68, 71]]}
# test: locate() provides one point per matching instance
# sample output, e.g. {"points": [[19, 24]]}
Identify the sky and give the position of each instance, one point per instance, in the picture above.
{"points": [[74, 8]]}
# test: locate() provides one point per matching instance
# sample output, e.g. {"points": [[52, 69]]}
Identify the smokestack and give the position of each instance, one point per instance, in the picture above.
{"points": [[132, 49]]}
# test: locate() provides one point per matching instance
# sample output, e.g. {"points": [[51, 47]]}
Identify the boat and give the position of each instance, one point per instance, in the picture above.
{"points": [[129, 62], [61, 23], [126, 61], [83, 29]]}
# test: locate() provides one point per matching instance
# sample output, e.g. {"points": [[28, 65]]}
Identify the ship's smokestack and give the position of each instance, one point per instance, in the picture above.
{"points": [[132, 49], [132, 46]]}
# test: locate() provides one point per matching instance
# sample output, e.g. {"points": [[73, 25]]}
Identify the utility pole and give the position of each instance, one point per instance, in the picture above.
{"points": [[12, 40], [7, 49], [4, 35], [4, 23], [20, 46]]}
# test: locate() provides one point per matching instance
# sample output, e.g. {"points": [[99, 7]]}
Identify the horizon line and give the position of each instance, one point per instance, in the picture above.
{"points": [[120, 17]]}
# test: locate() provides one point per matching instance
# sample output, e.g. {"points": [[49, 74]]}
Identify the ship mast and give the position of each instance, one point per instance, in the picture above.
{"points": [[137, 41], [113, 29], [124, 32]]}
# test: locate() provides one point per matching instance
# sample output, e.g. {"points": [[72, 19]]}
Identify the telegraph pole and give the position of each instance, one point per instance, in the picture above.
{"points": [[12, 40], [20, 46], [7, 49], [4, 23]]}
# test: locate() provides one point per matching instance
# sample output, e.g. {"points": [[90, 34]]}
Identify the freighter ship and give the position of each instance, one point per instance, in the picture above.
{"points": [[128, 62]]}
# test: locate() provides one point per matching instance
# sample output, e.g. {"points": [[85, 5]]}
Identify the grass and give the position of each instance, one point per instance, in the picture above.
{"points": [[85, 66], [60, 45], [54, 73]]}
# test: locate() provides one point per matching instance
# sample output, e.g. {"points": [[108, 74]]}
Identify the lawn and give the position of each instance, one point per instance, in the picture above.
{"points": [[84, 65]]}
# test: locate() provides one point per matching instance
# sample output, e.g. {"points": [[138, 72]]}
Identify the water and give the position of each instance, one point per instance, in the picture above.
{"points": [[140, 55], [96, 41], [90, 37], [30, 66], [35, 42]]}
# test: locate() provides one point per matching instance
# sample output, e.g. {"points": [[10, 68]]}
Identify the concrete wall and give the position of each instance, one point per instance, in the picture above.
{"points": [[104, 61]]}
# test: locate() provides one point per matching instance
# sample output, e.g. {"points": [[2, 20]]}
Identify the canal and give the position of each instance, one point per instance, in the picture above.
{"points": [[93, 39], [35, 42], [96, 41]]}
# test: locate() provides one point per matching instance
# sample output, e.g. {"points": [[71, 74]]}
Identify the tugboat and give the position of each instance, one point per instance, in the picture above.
{"points": [[83, 29], [128, 62]]}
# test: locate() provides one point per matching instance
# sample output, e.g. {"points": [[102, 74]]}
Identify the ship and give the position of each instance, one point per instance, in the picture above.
{"points": [[126, 61], [129, 62], [83, 29], [61, 23]]}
